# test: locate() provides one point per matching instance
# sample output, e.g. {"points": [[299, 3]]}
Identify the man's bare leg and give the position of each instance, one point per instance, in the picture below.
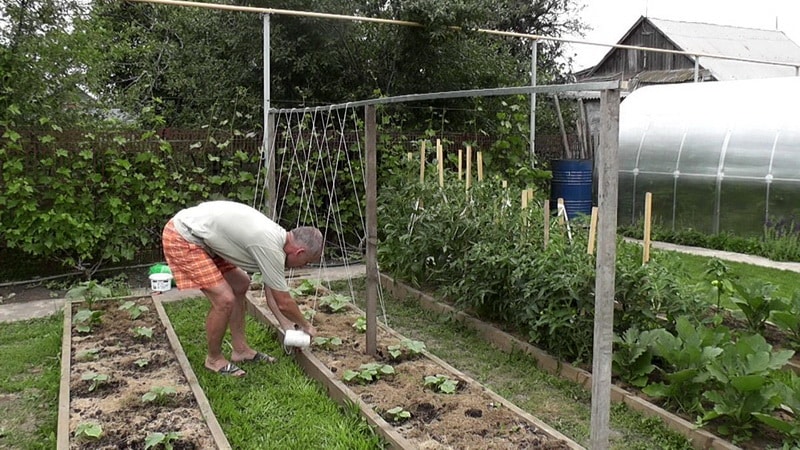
{"points": [[240, 284], [222, 305]]}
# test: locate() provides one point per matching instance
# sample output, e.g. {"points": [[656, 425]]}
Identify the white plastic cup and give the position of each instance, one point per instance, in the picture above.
{"points": [[161, 282], [296, 338]]}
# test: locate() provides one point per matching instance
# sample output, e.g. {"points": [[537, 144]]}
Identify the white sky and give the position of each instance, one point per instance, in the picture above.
{"points": [[610, 19]]}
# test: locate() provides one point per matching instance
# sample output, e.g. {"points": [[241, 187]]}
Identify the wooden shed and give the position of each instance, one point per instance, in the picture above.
{"points": [[642, 68]]}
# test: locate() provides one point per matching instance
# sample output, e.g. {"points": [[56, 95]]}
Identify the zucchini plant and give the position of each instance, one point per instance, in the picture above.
{"points": [[743, 385], [685, 358]]}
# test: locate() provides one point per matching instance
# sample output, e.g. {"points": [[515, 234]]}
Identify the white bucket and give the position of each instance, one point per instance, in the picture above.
{"points": [[161, 282], [296, 338]]}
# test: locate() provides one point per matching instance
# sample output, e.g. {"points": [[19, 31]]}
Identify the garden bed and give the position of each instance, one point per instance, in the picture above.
{"points": [[472, 417], [700, 438], [106, 371]]}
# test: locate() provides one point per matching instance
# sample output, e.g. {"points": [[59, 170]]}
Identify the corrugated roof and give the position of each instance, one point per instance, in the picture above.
{"points": [[768, 45]]}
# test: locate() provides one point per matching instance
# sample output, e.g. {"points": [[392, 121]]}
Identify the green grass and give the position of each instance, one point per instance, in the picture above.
{"points": [[29, 382], [276, 406], [562, 404], [785, 280]]}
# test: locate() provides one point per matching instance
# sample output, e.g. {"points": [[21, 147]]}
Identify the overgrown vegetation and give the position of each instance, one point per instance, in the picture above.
{"points": [[489, 257]]}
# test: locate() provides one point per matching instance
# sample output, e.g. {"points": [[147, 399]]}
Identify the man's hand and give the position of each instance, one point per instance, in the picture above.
{"points": [[310, 330]]}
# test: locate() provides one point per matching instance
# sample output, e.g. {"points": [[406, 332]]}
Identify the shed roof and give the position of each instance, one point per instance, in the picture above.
{"points": [[767, 45]]}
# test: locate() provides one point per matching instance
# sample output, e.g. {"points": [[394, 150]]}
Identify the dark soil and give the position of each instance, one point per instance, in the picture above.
{"points": [[466, 419]]}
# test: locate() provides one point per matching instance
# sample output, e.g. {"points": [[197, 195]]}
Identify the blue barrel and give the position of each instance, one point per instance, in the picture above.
{"points": [[572, 181]]}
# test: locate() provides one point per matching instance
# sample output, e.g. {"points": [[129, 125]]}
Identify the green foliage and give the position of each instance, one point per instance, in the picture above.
{"points": [[90, 291], [161, 440], [88, 431], [159, 394], [398, 414], [742, 384], [143, 332], [650, 295], [360, 324], [789, 385], [684, 358], [142, 362], [85, 319], [719, 276], [89, 354], [95, 379], [306, 287], [87, 199], [406, 349], [368, 373], [133, 309], [335, 303], [441, 383], [788, 319], [327, 343], [756, 302], [632, 360]]}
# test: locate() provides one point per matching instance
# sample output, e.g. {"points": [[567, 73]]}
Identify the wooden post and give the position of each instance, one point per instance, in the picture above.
{"points": [[469, 166], [422, 163], [505, 184], [605, 272], [410, 156], [546, 223], [567, 151], [592, 231], [561, 207], [529, 191], [460, 163], [648, 217], [480, 165], [524, 199], [440, 162], [371, 137]]}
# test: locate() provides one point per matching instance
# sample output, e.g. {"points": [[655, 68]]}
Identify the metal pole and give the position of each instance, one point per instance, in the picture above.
{"points": [[370, 128], [608, 177], [269, 123], [534, 47]]}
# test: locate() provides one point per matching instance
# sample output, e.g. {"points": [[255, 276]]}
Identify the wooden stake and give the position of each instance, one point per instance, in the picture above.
{"points": [[440, 161], [460, 163], [529, 191], [560, 208], [469, 166], [592, 231], [648, 211], [480, 166], [524, 202], [410, 156], [505, 184], [546, 223], [422, 162]]}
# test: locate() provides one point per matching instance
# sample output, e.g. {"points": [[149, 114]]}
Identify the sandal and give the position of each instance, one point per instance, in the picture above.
{"points": [[230, 369], [260, 358]]}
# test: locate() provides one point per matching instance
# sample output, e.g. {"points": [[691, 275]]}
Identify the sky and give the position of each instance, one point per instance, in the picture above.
{"points": [[611, 19]]}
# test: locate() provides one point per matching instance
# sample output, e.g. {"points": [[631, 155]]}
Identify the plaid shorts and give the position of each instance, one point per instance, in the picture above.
{"points": [[192, 267]]}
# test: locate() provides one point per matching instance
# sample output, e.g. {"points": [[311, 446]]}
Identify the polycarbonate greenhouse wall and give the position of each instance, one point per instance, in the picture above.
{"points": [[716, 156]]}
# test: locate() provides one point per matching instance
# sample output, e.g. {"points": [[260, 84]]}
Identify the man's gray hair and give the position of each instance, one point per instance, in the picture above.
{"points": [[309, 238]]}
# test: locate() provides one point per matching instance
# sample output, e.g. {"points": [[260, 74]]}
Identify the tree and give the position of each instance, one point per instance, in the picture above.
{"points": [[205, 64], [42, 64]]}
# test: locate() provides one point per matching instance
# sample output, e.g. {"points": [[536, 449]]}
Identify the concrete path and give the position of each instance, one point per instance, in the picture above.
{"points": [[43, 308]]}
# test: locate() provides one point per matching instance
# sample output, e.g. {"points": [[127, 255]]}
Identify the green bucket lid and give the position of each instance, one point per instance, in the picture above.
{"points": [[160, 268]]}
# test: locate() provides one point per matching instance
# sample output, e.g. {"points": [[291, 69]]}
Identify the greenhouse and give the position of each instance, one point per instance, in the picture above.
{"points": [[717, 157]]}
